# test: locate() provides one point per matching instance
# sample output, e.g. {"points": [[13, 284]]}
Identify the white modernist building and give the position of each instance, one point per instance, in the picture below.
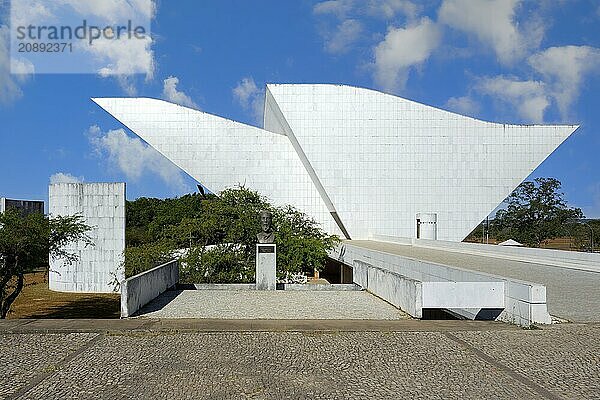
{"points": [[25, 206], [359, 161], [102, 206]]}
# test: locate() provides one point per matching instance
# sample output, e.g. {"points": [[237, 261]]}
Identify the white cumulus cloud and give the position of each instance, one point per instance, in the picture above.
{"points": [[463, 105], [10, 85], [339, 8], [133, 157], [565, 68], [250, 97], [113, 10], [403, 49], [348, 27], [388, 9], [345, 34], [123, 57], [528, 98], [493, 23], [65, 177], [172, 94]]}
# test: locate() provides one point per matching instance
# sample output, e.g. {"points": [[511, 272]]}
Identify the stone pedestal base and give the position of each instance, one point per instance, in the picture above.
{"points": [[266, 261]]}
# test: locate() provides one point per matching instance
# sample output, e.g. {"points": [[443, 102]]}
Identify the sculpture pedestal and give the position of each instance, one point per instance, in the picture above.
{"points": [[266, 261]]}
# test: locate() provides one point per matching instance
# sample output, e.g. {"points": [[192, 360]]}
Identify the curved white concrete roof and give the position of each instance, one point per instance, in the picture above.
{"points": [[371, 159]]}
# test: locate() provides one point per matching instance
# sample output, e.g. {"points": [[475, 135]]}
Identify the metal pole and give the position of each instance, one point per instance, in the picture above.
{"points": [[482, 233], [591, 231], [591, 235]]}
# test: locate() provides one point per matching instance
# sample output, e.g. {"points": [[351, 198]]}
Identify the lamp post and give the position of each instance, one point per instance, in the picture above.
{"points": [[591, 235], [579, 221]]}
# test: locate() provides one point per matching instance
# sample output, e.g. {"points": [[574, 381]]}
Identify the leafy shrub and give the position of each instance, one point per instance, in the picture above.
{"points": [[147, 256], [223, 263], [219, 236]]}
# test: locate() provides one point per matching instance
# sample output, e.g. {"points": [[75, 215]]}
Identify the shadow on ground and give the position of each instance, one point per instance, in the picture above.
{"points": [[158, 303], [88, 307]]}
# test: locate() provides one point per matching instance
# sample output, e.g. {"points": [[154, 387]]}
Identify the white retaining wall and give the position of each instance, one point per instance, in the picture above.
{"points": [[398, 290], [414, 284], [141, 289]]}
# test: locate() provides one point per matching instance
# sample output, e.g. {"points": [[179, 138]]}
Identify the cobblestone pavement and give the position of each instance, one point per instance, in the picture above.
{"points": [[554, 362], [277, 304], [571, 294]]}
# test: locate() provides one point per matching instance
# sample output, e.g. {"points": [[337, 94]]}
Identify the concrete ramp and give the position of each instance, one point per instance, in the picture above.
{"points": [[413, 285]]}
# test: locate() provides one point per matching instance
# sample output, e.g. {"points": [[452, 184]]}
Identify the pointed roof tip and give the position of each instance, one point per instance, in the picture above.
{"points": [[571, 129], [99, 100]]}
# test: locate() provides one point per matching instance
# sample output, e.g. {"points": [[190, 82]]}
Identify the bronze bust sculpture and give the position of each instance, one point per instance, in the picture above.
{"points": [[267, 235]]}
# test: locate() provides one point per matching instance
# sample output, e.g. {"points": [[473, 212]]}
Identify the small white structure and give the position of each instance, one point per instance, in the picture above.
{"points": [[427, 226], [99, 267], [26, 206], [266, 261], [510, 242]]}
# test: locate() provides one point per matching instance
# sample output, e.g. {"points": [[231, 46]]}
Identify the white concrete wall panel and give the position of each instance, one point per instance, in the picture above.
{"points": [[382, 158], [220, 153], [398, 290], [141, 289], [442, 286], [102, 206]]}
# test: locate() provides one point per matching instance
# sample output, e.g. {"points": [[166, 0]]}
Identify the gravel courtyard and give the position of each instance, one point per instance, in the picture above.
{"points": [[277, 304]]}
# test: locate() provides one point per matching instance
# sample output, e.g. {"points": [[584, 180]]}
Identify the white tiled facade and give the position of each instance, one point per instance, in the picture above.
{"points": [[220, 153], [382, 159], [102, 206], [374, 159]]}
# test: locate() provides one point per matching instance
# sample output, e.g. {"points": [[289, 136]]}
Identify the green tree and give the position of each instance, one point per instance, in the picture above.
{"points": [[215, 236], [148, 255], [536, 211], [221, 263], [581, 232], [25, 244], [302, 246]]}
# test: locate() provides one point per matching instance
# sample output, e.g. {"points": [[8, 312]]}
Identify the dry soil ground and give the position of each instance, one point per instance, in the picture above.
{"points": [[37, 301]]}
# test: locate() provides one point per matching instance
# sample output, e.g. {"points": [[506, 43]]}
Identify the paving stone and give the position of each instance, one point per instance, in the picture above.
{"points": [[555, 362], [559, 357], [279, 365], [24, 356]]}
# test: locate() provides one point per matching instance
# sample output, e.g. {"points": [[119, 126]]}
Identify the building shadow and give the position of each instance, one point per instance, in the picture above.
{"points": [[91, 307], [158, 303], [438, 314]]}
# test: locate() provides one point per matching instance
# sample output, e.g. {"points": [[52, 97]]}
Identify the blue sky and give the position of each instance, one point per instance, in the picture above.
{"points": [[505, 61]]}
